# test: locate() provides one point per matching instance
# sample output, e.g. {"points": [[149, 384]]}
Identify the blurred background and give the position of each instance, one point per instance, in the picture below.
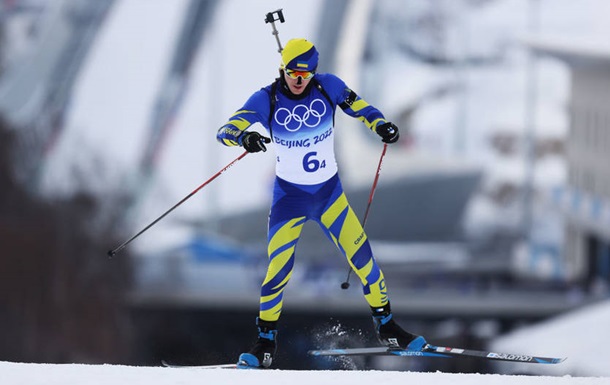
{"points": [[491, 218]]}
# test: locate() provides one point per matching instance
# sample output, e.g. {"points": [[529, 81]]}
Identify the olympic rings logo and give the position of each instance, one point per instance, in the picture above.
{"points": [[301, 115]]}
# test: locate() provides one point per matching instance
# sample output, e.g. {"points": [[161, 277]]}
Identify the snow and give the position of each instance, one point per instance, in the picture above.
{"points": [[580, 335], [112, 106], [584, 340], [41, 374]]}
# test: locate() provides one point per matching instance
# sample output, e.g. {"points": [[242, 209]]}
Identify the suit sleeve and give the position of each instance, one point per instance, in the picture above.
{"points": [[352, 104], [255, 110]]}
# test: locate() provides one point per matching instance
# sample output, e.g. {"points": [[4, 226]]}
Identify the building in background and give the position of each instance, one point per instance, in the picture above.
{"points": [[585, 200]]}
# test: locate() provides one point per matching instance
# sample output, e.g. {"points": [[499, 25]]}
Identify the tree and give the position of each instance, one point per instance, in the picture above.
{"points": [[61, 298]]}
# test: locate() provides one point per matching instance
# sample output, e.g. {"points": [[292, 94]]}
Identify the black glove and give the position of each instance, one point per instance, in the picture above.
{"points": [[388, 132], [252, 141]]}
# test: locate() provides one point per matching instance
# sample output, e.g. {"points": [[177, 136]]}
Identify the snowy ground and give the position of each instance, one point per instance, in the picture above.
{"points": [[581, 335], [34, 374]]}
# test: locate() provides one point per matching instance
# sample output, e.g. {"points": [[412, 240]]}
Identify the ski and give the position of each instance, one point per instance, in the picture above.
{"points": [[438, 351], [220, 366]]}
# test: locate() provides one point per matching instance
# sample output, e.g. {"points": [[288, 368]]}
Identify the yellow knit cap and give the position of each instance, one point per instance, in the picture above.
{"points": [[300, 54]]}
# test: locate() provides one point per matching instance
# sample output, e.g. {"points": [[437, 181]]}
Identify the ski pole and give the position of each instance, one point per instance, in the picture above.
{"points": [[270, 18], [345, 285], [113, 252]]}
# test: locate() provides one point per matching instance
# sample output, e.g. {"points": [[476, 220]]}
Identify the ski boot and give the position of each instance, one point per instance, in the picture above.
{"points": [[391, 334], [261, 354]]}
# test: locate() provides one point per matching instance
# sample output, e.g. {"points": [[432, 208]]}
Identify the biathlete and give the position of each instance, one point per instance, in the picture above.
{"points": [[297, 111]]}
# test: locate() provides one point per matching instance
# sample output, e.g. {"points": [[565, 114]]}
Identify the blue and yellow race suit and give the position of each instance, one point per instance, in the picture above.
{"points": [[307, 185]]}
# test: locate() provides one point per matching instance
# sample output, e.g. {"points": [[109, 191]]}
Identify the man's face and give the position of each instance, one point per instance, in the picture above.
{"points": [[297, 80]]}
